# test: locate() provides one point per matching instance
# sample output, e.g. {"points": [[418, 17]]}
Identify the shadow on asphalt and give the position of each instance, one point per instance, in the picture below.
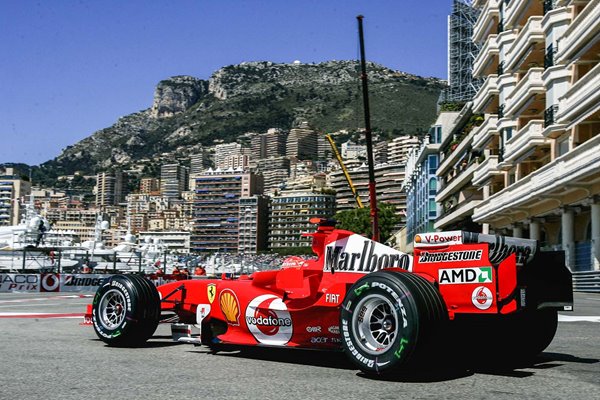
{"points": [[147, 345], [433, 372], [327, 359]]}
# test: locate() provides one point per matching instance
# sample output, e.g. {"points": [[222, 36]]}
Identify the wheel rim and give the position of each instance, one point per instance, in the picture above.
{"points": [[375, 324], [112, 309]]}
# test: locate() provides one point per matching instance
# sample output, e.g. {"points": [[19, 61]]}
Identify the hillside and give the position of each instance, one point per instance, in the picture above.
{"points": [[253, 97]]}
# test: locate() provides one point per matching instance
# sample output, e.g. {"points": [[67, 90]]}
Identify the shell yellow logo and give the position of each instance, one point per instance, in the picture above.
{"points": [[230, 306], [417, 239]]}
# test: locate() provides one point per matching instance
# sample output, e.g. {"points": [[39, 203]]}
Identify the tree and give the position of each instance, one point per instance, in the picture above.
{"points": [[359, 220]]}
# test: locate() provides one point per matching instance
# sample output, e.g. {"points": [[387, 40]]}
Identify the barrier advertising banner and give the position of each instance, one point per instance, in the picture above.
{"points": [[53, 282]]}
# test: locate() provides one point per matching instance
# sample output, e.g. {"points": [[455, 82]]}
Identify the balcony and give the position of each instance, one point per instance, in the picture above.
{"points": [[458, 213], [484, 62], [581, 34], [486, 21], [525, 140], [525, 92], [483, 133], [486, 93], [516, 13], [523, 49], [462, 178], [487, 169], [544, 188], [581, 99]]}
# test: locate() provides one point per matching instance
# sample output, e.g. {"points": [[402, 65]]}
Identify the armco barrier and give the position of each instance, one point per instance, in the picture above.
{"points": [[586, 281]]}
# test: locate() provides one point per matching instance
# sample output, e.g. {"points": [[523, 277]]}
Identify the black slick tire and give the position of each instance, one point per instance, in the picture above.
{"points": [[126, 311], [388, 319]]}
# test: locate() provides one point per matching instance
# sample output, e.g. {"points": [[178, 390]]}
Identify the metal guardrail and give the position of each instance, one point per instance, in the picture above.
{"points": [[586, 281]]}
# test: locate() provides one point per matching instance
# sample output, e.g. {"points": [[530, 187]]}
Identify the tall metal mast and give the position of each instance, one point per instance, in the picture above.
{"points": [[368, 135]]}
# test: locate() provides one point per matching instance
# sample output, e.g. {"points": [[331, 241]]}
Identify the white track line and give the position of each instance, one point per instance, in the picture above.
{"points": [[41, 315], [573, 318], [71, 296]]}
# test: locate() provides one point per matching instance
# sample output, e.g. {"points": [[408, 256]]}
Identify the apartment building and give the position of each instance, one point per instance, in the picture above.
{"points": [[275, 171], [110, 188], [173, 180], [254, 220], [290, 215], [540, 139], [457, 194], [399, 147], [13, 190], [303, 143], [421, 182], [269, 144], [388, 178], [217, 209]]}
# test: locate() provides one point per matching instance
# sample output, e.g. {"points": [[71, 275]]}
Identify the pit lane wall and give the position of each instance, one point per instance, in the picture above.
{"points": [[54, 282]]}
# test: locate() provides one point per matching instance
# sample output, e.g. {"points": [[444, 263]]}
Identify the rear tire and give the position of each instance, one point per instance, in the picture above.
{"points": [[387, 320], [126, 311]]}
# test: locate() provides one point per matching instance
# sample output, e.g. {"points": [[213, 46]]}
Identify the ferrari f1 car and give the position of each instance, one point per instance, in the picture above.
{"points": [[382, 307]]}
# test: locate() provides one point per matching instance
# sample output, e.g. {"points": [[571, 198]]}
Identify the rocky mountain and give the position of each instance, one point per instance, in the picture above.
{"points": [[253, 97]]}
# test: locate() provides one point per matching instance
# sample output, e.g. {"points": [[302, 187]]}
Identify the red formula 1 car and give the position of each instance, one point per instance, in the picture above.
{"points": [[382, 307]]}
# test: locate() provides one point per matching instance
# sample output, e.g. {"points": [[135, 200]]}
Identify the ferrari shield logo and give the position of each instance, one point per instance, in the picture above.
{"points": [[211, 290]]}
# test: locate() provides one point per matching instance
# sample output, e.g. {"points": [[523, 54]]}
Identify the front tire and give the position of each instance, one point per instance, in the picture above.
{"points": [[387, 320], [126, 311]]}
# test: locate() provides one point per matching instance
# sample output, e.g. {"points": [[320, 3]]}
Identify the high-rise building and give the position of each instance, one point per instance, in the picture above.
{"points": [[13, 192], [302, 143], [540, 169], [110, 188], [217, 209], [399, 147], [224, 151], [275, 171], [456, 194], [420, 181], [353, 151], [270, 144], [150, 186], [290, 215], [253, 224], [388, 178], [380, 150], [173, 180], [197, 163]]}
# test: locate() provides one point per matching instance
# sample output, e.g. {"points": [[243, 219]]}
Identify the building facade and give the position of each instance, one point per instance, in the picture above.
{"points": [[216, 210], [254, 224], [421, 181], [540, 139], [110, 188], [173, 180], [13, 193], [290, 215]]}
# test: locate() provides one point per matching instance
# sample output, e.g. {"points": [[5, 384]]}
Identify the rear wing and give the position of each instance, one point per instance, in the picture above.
{"points": [[520, 274], [500, 247]]}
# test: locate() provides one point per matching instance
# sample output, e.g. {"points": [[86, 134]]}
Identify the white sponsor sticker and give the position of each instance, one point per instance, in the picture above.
{"points": [[482, 298], [360, 255], [269, 320], [465, 275]]}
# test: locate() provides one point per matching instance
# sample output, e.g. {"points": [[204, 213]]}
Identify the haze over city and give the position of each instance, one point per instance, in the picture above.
{"points": [[76, 67]]}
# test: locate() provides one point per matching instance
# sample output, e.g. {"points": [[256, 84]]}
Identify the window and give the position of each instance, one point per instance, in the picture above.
{"points": [[435, 134], [563, 147], [432, 186], [432, 161]]}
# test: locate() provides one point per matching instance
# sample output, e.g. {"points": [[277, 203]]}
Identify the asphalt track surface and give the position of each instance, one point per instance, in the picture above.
{"points": [[46, 354]]}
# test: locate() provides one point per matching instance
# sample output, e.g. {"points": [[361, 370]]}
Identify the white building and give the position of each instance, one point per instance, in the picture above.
{"points": [[540, 138]]}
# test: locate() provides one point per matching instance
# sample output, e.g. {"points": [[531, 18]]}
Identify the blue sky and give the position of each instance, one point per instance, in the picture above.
{"points": [[70, 68]]}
